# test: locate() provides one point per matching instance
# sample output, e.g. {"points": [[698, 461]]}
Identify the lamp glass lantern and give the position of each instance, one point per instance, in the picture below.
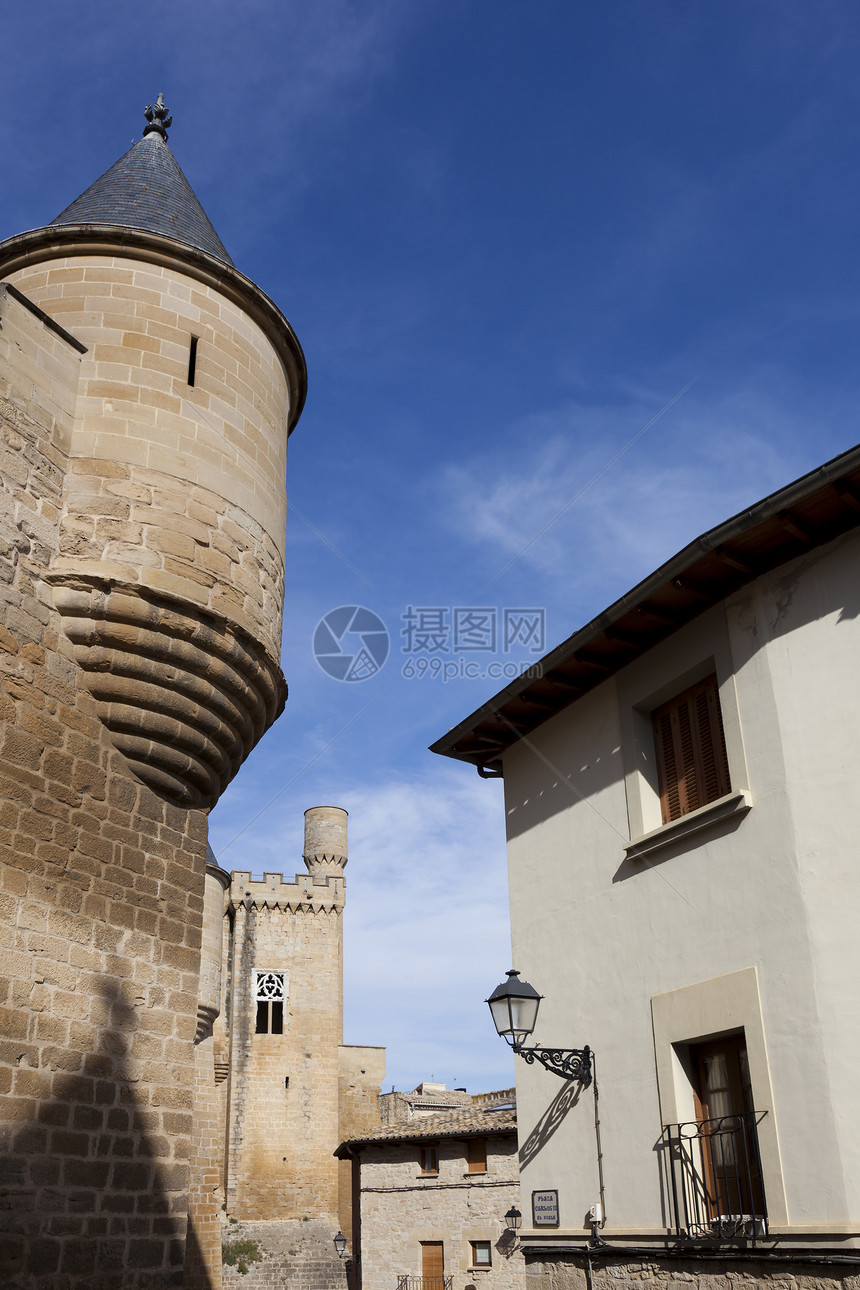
{"points": [[514, 1007], [340, 1244], [513, 1219]]}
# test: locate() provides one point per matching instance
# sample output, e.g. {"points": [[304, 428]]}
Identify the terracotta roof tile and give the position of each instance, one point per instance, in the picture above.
{"points": [[470, 1122]]}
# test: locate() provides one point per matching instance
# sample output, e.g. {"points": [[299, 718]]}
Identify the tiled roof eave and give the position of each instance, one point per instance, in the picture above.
{"points": [[809, 512], [427, 1131]]}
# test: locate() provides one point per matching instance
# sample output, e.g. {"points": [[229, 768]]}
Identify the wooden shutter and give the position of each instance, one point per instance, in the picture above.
{"points": [[432, 1260], [477, 1155], [692, 767]]}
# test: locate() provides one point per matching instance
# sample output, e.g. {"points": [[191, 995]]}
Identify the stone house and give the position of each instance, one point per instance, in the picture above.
{"points": [[677, 780], [431, 1193]]}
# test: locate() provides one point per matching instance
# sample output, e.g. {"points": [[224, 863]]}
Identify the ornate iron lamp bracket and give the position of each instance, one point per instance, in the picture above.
{"points": [[567, 1063]]}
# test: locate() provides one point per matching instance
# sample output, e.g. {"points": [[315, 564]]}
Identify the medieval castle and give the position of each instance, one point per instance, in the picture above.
{"points": [[171, 1036]]}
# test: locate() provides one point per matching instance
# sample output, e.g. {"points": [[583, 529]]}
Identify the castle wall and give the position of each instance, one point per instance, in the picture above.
{"points": [[361, 1072], [176, 487], [282, 1135], [101, 898]]}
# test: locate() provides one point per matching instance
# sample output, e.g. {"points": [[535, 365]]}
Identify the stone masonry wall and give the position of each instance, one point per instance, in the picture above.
{"points": [[284, 1088], [400, 1208], [568, 1271], [101, 897], [177, 487], [361, 1072], [294, 1256]]}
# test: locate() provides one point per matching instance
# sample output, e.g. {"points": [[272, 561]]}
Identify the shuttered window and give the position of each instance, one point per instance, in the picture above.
{"points": [[432, 1264], [692, 767], [477, 1155]]}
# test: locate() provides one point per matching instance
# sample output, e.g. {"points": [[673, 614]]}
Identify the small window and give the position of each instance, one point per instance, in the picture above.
{"points": [[428, 1158], [270, 992], [477, 1155], [192, 360], [692, 767], [481, 1254]]}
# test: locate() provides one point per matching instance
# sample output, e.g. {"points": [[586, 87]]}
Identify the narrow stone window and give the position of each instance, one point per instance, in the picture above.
{"points": [[192, 360], [270, 992], [428, 1158]]}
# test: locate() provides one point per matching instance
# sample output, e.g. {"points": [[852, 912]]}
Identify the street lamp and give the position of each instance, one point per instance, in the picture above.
{"points": [[514, 1007], [340, 1244], [513, 1219]]}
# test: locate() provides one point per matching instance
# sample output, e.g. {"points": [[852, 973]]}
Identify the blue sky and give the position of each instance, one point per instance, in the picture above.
{"points": [[507, 236]]}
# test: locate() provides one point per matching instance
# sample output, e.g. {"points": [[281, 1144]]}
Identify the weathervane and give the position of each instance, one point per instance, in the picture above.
{"points": [[158, 118]]}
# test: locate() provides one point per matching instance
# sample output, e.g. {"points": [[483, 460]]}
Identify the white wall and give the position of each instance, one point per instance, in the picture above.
{"points": [[772, 888]]}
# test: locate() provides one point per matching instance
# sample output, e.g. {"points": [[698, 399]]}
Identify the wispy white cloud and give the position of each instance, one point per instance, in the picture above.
{"points": [[708, 461]]}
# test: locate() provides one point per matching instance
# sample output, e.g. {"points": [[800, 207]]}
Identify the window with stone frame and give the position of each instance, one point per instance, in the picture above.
{"points": [[692, 766], [476, 1156], [481, 1253], [270, 992], [428, 1158]]}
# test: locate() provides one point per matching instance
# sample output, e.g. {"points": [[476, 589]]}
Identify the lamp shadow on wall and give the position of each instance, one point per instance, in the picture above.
{"points": [[565, 1099], [83, 1184]]}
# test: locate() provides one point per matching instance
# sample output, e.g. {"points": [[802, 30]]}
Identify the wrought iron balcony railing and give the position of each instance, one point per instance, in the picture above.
{"points": [[715, 1178], [425, 1283]]}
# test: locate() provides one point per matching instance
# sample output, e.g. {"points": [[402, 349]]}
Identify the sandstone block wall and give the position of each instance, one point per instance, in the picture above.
{"points": [[568, 1271], [296, 1255], [283, 1089], [101, 898], [400, 1208], [225, 435], [361, 1072]]}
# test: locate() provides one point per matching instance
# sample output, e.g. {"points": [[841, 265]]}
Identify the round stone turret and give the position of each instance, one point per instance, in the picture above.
{"points": [[325, 849], [169, 574]]}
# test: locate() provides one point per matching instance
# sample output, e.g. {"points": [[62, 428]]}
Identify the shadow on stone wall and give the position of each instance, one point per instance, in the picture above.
{"points": [[93, 1184]]}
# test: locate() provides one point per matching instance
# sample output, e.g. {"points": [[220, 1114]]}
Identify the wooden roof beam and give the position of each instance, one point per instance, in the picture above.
{"points": [[792, 525], [733, 561], [848, 493]]}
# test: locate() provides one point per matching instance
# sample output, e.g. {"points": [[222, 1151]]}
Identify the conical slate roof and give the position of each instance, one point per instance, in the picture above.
{"points": [[146, 189]]}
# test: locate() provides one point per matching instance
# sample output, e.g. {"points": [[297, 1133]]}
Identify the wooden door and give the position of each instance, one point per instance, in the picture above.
{"points": [[433, 1265], [724, 1108]]}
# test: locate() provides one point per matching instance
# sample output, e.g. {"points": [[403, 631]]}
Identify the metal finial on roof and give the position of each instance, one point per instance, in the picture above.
{"points": [[158, 118]]}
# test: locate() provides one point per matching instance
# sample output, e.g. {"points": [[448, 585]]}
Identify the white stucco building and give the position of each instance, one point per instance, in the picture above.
{"points": [[679, 781]]}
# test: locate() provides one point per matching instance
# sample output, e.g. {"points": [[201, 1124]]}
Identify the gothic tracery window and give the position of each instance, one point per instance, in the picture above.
{"points": [[270, 993]]}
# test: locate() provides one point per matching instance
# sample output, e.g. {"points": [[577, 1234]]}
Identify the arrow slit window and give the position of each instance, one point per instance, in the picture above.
{"points": [[270, 993]]}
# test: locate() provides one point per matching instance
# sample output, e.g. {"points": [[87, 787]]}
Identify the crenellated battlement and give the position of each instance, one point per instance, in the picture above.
{"points": [[274, 891]]}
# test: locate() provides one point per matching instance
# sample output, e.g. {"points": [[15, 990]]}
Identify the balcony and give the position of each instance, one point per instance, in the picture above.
{"points": [[715, 1179], [425, 1283]]}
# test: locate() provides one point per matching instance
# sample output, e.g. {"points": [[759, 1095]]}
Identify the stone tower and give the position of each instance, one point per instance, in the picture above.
{"points": [[147, 389], [293, 1090]]}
